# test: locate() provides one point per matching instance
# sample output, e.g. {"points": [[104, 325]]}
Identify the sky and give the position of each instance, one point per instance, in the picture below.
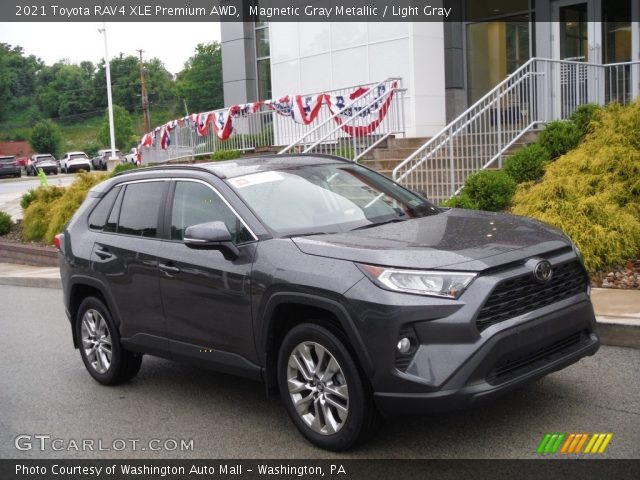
{"points": [[171, 42]]}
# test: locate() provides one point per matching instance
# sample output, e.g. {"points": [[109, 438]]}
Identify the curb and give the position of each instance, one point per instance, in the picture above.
{"points": [[619, 332], [32, 282]]}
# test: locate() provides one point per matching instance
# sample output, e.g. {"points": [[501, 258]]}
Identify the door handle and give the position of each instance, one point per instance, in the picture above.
{"points": [[169, 269], [103, 253]]}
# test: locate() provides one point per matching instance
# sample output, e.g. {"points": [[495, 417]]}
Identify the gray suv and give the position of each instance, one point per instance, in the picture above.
{"points": [[351, 296]]}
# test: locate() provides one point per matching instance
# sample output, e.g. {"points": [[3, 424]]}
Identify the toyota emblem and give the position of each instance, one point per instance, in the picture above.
{"points": [[542, 272]]}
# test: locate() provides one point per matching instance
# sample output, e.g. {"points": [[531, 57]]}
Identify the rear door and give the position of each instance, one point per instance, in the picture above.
{"points": [[125, 258], [206, 297]]}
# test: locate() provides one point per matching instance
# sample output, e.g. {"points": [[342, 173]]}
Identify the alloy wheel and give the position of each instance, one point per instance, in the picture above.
{"points": [[318, 388], [96, 341]]}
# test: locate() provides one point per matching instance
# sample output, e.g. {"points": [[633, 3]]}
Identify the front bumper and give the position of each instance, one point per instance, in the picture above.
{"points": [[79, 166], [511, 358]]}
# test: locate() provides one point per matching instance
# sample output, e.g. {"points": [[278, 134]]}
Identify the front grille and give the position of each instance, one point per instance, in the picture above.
{"points": [[519, 295], [512, 367]]}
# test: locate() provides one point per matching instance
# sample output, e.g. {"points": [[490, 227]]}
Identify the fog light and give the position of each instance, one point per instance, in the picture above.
{"points": [[404, 345]]}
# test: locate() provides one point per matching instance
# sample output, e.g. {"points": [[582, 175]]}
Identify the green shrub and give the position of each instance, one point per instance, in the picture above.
{"points": [[38, 213], [583, 115], [46, 137], [28, 197], [123, 167], [593, 192], [460, 201], [5, 223], [225, 155], [559, 137], [490, 190], [527, 163]]}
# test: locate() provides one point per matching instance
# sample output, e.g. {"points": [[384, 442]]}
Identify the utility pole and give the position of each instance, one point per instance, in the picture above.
{"points": [[145, 98], [107, 62]]}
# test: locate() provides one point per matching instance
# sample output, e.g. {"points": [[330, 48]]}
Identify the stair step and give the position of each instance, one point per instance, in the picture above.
{"points": [[412, 142]]}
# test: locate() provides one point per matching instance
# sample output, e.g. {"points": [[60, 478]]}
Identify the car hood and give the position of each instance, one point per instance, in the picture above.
{"points": [[454, 239]]}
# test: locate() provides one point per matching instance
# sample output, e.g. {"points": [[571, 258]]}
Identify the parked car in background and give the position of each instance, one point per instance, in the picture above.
{"points": [[23, 162], [99, 162], [44, 161], [9, 166], [74, 161], [134, 156]]}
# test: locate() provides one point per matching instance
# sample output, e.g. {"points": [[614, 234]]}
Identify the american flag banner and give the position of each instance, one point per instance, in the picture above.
{"points": [[201, 122], [165, 137], [245, 109], [371, 113], [223, 122], [147, 140], [302, 109]]}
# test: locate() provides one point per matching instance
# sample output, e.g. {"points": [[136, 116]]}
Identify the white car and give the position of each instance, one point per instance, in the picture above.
{"points": [[133, 156], [74, 161]]}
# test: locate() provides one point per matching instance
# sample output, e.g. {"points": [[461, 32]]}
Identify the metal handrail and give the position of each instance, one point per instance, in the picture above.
{"points": [[539, 91]]}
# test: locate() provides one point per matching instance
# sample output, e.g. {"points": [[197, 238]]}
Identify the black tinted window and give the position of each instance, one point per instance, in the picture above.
{"points": [[98, 217], [139, 210], [195, 203]]}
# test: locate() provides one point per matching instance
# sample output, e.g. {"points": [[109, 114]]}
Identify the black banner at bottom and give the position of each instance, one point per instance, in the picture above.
{"points": [[541, 469]]}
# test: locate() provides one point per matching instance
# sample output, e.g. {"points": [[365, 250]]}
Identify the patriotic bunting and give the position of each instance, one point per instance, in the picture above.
{"points": [[302, 109]]}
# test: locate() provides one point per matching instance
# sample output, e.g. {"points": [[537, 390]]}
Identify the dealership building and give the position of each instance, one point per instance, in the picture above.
{"points": [[445, 66]]}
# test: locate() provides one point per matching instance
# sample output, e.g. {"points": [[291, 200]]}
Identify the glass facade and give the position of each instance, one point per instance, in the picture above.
{"points": [[498, 41], [263, 60]]}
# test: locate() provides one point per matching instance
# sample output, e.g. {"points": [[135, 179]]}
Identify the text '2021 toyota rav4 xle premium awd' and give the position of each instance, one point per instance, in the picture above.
{"points": [[349, 294]]}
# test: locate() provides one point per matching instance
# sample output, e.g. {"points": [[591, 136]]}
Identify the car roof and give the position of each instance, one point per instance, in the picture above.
{"points": [[255, 164], [7, 156], [75, 153]]}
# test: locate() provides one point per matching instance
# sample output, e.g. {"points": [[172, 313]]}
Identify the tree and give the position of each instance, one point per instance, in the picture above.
{"points": [[200, 83], [123, 129], [46, 137]]}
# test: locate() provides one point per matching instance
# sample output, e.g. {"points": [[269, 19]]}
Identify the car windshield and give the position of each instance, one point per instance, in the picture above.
{"points": [[327, 199]]}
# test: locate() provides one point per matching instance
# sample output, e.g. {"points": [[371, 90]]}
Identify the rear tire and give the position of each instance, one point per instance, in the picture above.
{"points": [[323, 390], [102, 354]]}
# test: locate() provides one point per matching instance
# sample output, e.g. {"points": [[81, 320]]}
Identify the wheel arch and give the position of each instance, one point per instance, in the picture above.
{"points": [[286, 310]]}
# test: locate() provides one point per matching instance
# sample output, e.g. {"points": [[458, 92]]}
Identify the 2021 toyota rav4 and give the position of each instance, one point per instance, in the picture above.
{"points": [[349, 294]]}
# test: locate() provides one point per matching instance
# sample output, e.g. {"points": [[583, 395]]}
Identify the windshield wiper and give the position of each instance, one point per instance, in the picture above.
{"points": [[377, 224], [306, 234]]}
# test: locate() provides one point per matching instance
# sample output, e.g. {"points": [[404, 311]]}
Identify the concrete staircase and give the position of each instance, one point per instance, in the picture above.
{"points": [[392, 152]]}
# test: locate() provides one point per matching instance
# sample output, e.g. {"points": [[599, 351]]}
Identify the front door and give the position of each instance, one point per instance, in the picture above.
{"points": [[206, 296]]}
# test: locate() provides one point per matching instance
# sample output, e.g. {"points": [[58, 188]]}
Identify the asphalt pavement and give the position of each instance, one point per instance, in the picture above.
{"points": [[44, 389]]}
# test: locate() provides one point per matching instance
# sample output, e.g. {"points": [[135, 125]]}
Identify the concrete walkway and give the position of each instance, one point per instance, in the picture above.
{"points": [[617, 311]]}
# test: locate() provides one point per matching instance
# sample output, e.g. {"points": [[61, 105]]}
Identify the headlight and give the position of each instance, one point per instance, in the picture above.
{"points": [[420, 282]]}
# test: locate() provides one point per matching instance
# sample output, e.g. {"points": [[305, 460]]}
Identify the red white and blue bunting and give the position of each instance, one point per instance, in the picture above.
{"points": [[302, 109]]}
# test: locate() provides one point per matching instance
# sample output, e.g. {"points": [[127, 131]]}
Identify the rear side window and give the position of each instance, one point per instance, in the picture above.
{"points": [[140, 208], [98, 217]]}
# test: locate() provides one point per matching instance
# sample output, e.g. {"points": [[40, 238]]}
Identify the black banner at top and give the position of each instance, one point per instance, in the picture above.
{"points": [[278, 10]]}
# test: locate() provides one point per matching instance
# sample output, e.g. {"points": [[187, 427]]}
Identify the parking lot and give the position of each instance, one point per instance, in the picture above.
{"points": [[12, 189], [44, 389]]}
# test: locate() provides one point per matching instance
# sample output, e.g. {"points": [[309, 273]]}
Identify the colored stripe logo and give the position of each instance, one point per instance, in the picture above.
{"points": [[574, 443]]}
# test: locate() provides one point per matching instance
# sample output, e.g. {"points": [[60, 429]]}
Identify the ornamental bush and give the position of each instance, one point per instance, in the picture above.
{"points": [[583, 115], [38, 213], [226, 155], [5, 223], [490, 190], [460, 201], [593, 192], [527, 164], [559, 137], [123, 167], [27, 197]]}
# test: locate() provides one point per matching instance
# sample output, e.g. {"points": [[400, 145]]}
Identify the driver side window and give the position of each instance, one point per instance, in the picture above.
{"points": [[195, 203]]}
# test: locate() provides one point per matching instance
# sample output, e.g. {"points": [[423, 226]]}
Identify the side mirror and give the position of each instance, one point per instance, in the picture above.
{"points": [[211, 236]]}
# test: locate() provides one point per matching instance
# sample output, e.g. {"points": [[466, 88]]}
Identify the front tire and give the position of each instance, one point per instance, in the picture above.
{"points": [[100, 349], [323, 390]]}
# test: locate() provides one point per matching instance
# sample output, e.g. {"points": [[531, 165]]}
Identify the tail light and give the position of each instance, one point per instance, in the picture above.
{"points": [[57, 240]]}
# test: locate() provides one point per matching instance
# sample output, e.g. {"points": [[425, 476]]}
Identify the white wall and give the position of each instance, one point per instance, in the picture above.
{"points": [[314, 57]]}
